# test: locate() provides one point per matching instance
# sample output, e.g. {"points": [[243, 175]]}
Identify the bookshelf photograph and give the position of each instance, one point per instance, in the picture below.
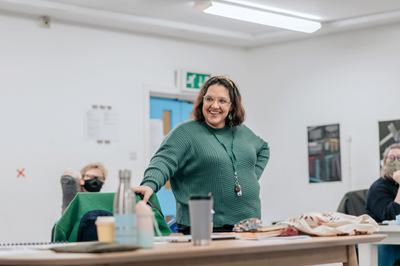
{"points": [[324, 163]]}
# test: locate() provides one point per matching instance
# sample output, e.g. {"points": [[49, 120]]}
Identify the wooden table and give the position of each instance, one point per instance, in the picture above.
{"points": [[317, 250], [368, 253]]}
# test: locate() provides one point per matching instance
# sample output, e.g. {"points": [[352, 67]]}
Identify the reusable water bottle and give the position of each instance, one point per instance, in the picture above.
{"points": [[145, 218], [124, 211]]}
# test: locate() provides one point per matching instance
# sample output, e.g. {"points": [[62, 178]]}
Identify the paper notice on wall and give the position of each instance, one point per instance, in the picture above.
{"points": [[102, 124], [94, 117], [110, 125]]}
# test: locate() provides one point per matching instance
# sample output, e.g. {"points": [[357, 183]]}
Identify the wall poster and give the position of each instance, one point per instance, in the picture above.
{"points": [[389, 133], [324, 163]]}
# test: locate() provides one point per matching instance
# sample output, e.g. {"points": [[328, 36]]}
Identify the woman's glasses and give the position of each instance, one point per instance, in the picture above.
{"points": [[90, 177], [392, 158], [220, 100]]}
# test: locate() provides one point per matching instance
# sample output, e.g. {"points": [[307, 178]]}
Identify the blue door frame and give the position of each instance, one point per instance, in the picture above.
{"points": [[180, 112]]}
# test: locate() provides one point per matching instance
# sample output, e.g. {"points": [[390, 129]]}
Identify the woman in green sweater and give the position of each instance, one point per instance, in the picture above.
{"points": [[213, 153]]}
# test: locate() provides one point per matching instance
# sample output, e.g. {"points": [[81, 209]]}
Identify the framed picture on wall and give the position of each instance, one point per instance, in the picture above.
{"points": [[389, 133], [324, 163]]}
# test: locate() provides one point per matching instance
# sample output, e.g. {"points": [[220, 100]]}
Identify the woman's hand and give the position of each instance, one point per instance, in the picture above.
{"points": [[69, 172], [145, 191], [396, 176]]}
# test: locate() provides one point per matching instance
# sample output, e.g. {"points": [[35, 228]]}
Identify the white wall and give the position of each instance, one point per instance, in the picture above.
{"points": [[49, 80], [51, 77], [349, 78]]}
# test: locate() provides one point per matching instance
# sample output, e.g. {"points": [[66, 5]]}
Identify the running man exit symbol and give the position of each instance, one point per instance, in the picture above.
{"points": [[21, 172], [195, 80]]}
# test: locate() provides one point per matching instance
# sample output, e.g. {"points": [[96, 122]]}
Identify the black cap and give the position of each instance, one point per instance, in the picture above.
{"points": [[201, 197]]}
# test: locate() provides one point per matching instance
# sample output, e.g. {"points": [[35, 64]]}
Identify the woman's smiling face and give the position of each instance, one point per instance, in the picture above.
{"points": [[216, 106]]}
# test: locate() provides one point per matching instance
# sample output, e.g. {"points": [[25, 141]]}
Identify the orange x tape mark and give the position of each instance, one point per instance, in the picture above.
{"points": [[21, 172]]}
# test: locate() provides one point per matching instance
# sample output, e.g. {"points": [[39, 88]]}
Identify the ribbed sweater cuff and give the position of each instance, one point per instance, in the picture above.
{"points": [[150, 184], [154, 179]]}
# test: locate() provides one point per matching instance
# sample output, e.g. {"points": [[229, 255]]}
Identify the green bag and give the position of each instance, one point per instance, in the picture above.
{"points": [[66, 228], [161, 227]]}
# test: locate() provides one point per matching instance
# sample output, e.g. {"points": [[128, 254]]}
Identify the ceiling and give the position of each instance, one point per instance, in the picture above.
{"points": [[179, 19]]}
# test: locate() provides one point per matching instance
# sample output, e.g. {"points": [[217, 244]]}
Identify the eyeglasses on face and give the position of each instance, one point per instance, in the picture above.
{"points": [[392, 158], [220, 100], [89, 177]]}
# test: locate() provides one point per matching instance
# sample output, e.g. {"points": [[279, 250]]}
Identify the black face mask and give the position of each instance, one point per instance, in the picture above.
{"points": [[93, 185]]}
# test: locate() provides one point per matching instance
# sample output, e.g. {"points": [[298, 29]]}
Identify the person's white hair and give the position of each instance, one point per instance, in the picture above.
{"points": [[384, 170]]}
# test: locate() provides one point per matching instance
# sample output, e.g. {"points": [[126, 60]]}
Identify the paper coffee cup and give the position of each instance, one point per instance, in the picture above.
{"points": [[105, 228]]}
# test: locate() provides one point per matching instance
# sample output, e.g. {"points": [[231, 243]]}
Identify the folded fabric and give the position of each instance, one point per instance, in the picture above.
{"points": [[253, 227], [248, 225], [333, 224]]}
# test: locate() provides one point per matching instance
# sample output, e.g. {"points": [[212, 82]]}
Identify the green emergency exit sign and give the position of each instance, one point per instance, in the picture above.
{"points": [[194, 80]]}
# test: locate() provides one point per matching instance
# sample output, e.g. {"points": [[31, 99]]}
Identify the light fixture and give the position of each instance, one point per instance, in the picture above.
{"points": [[259, 16]]}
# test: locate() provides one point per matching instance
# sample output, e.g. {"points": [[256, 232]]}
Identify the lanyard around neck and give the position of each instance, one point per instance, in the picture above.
{"points": [[232, 157]]}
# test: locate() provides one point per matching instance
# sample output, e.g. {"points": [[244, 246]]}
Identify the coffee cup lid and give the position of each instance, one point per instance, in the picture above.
{"points": [[201, 197], [105, 219]]}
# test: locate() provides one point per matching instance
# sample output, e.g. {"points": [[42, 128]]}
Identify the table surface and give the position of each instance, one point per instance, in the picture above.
{"points": [[368, 252], [225, 252], [392, 228]]}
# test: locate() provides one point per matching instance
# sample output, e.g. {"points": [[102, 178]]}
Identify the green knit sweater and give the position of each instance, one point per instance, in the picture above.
{"points": [[196, 163]]}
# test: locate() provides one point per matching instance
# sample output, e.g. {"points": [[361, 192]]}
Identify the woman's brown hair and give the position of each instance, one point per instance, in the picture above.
{"points": [[236, 113]]}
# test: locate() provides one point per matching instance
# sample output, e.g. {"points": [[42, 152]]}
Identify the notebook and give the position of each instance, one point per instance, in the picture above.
{"points": [[94, 247], [188, 238], [32, 245]]}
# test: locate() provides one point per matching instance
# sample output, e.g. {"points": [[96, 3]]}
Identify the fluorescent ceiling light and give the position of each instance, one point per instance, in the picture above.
{"points": [[261, 17], [274, 9]]}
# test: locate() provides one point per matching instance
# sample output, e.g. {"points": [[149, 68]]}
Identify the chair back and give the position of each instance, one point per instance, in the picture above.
{"points": [[354, 202]]}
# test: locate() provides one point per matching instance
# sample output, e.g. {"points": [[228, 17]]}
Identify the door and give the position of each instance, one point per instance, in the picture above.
{"points": [[165, 114]]}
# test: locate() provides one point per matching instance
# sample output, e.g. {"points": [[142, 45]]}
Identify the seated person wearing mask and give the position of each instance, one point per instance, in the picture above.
{"points": [[91, 179], [383, 200]]}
